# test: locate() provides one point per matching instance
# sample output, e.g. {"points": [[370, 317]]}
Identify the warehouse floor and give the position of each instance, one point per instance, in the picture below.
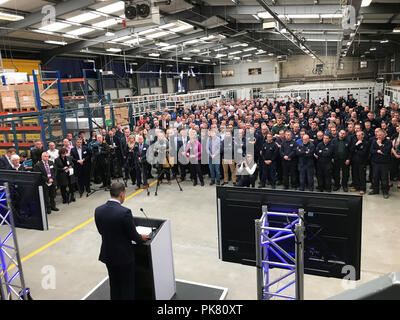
{"points": [[71, 245]]}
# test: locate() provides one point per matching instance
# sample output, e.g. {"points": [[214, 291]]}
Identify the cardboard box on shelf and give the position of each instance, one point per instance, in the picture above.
{"points": [[8, 100]]}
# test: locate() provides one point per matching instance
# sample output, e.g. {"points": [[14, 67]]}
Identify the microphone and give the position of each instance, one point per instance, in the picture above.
{"points": [[148, 221]]}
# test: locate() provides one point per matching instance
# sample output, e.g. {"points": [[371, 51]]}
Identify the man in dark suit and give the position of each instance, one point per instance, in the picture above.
{"points": [[81, 157], [36, 152], [49, 175], [117, 228], [141, 163], [5, 161]]}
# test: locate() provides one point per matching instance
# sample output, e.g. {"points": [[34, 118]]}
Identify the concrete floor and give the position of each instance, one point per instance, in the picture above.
{"points": [[194, 231]]}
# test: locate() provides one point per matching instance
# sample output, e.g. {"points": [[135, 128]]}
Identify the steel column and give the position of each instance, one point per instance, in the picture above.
{"points": [[39, 106]]}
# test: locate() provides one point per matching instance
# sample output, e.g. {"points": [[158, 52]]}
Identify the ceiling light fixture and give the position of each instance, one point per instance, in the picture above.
{"points": [[61, 43]]}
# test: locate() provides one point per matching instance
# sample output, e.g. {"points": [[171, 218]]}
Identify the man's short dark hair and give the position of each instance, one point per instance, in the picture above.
{"points": [[116, 189]]}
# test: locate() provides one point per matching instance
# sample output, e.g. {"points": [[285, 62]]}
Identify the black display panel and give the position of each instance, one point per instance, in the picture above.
{"points": [[333, 226], [25, 198]]}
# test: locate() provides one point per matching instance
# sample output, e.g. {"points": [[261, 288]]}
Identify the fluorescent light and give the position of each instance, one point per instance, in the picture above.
{"points": [[173, 46], [247, 55], [270, 54], [162, 44], [299, 16], [384, 41], [236, 58], [110, 34], [349, 43], [249, 49], [154, 54], [69, 36], [122, 38], [83, 17], [56, 26], [264, 15], [365, 3], [396, 30], [158, 35], [332, 16], [152, 30], [221, 49], [43, 31], [372, 49], [236, 52], [168, 26], [80, 31], [106, 23], [186, 58], [206, 60], [114, 7], [195, 50], [133, 41], [220, 55], [256, 17], [114, 50], [181, 28], [61, 43], [10, 16]]}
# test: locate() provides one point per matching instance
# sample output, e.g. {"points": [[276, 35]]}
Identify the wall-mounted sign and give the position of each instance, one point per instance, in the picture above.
{"points": [[228, 73], [255, 71]]}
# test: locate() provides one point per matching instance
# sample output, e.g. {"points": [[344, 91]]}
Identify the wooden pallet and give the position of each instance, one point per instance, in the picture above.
{"points": [[28, 109], [10, 109]]}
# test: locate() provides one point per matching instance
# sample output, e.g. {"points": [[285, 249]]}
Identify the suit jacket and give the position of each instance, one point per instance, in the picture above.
{"points": [[143, 154], [85, 155], [63, 178], [36, 155], [39, 167], [123, 147], [117, 228], [4, 164], [20, 168]]}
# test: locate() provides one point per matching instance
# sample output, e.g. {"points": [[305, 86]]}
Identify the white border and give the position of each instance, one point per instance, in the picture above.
{"points": [[43, 209]]}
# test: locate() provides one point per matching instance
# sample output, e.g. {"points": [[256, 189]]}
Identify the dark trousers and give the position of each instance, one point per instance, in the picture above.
{"points": [[324, 176], [141, 173], [49, 195], [289, 170], [340, 166], [269, 172], [195, 171], [183, 168], [394, 169], [306, 174], [83, 177], [359, 171], [247, 180], [381, 175], [103, 171], [130, 171], [66, 194], [122, 282], [280, 170]]}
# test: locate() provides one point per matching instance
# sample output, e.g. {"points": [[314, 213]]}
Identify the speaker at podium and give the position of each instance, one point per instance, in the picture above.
{"points": [[154, 263]]}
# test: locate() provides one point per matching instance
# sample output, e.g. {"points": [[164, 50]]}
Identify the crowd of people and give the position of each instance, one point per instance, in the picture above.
{"points": [[288, 143]]}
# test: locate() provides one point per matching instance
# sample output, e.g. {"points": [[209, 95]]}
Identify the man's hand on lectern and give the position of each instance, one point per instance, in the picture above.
{"points": [[145, 237]]}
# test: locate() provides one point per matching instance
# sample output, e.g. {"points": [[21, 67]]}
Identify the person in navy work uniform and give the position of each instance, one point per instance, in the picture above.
{"points": [[341, 162], [117, 229], [269, 155], [359, 152], [324, 155], [289, 160], [380, 160], [305, 154]]}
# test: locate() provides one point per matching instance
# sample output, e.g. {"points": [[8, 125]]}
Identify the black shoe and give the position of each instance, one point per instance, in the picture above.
{"points": [[194, 183], [385, 196], [320, 190], [235, 184], [202, 183], [212, 183], [273, 187], [345, 189], [261, 185], [336, 188], [64, 201], [72, 199], [87, 195], [371, 193], [224, 183], [218, 183], [55, 209]]}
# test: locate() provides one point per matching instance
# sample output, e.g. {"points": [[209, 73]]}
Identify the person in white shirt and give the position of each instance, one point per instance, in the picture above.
{"points": [[53, 152], [247, 172], [15, 163]]}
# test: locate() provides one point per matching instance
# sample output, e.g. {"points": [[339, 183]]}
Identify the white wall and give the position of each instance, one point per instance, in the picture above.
{"points": [[270, 74]]}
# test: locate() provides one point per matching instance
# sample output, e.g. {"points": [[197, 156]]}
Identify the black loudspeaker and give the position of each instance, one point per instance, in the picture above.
{"points": [[130, 12], [143, 10]]}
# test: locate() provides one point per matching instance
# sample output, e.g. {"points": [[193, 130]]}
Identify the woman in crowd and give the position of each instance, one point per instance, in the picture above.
{"points": [[130, 160]]}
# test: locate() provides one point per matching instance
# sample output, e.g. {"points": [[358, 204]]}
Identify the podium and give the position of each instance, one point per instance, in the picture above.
{"points": [[154, 264]]}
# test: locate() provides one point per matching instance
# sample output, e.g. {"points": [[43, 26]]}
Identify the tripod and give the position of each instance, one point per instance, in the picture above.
{"points": [[164, 171]]}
